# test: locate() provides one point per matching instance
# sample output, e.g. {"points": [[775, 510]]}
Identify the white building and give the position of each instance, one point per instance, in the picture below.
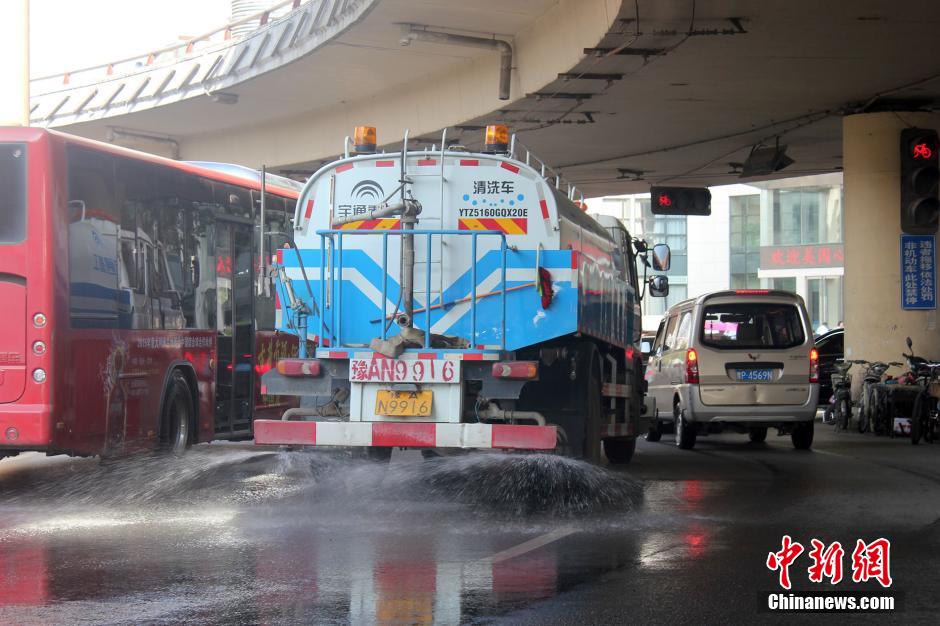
{"points": [[783, 234]]}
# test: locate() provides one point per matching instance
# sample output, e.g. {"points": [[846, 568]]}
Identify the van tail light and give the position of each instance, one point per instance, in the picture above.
{"points": [[691, 366], [814, 366]]}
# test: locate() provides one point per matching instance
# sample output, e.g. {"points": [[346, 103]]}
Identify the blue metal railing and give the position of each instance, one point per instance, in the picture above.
{"points": [[336, 269]]}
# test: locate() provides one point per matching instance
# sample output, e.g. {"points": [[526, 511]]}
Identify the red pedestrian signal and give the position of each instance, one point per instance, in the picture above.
{"points": [[920, 174], [664, 200]]}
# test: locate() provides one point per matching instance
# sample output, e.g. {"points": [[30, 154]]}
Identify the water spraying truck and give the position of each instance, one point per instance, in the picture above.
{"points": [[454, 299]]}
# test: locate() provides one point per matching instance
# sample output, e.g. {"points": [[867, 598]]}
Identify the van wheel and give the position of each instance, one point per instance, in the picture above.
{"points": [[620, 451], [758, 434], [655, 432], [802, 435], [685, 432], [176, 434]]}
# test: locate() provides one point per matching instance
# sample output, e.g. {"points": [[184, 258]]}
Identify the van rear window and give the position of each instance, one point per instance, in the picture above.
{"points": [[12, 192], [752, 326]]}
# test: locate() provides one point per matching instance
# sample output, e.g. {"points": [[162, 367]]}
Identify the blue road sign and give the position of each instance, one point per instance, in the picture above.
{"points": [[918, 272]]}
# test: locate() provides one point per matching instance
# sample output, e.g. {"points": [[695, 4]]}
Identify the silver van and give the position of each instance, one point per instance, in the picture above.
{"points": [[741, 359]]}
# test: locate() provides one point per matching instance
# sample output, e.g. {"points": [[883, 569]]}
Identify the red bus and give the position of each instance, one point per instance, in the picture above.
{"points": [[131, 313]]}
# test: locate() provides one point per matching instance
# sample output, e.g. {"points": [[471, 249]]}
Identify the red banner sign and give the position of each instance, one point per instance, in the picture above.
{"points": [[791, 257]]}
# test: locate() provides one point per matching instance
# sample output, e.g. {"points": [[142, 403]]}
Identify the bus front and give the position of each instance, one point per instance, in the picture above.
{"points": [[26, 249]]}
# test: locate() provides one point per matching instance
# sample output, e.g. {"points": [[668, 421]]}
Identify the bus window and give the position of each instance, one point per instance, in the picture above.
{"points": [[94, 267], [13, 200]]}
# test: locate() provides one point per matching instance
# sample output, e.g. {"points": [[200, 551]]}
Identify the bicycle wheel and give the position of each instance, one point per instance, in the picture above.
{"points": [[844, 408], [878, 411], [864, 408]]}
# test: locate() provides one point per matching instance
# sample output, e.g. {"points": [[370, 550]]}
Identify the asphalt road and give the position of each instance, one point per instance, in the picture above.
{"points": [[233, 535]]}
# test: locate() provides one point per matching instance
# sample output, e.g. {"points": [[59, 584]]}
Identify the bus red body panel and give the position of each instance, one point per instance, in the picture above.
{"points": [[111, 277]]}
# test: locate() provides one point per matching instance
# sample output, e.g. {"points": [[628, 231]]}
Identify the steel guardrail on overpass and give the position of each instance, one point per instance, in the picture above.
{"points": [[203, 65]]}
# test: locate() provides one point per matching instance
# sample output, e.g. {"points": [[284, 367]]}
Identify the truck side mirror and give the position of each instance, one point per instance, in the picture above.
{"points": [[659, 286], [662, 258]]}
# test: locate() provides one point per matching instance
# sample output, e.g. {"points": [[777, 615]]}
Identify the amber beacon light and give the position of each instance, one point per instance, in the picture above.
{"points": [[364, 139], [497, 138]]}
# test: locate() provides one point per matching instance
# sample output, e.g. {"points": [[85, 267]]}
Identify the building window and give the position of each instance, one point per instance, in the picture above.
{"points": [[806, 215], [824, 302], [745, 241], [668, 229], [786, 283]]}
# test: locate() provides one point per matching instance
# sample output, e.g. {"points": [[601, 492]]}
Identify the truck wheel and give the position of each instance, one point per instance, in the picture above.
{"points": [[591, 450], [802, 435], [176, 434], [620, 451], [685, 432], [757, 434], [655, 432]]}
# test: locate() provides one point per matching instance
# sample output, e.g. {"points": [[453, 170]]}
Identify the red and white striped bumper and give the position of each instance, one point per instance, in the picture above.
{"points": [[405, 434]]}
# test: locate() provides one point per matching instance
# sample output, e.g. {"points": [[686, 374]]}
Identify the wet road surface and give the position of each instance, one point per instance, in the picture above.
{"points": [[233, 535]]}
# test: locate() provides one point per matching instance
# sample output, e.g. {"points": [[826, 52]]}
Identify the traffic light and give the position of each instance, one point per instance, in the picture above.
{"points": [[680, 201], [920, 172]]}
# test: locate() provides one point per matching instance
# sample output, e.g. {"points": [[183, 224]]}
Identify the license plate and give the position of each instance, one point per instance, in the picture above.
{"points": [[404, 371], [756, 375], [403, 403]]}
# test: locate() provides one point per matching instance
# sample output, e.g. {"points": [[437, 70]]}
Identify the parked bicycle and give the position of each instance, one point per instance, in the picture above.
{"points": [[839, 411], [925, 417], [872, 400]]}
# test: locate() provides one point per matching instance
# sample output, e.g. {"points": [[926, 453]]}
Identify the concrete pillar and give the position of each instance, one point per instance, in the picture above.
{"points": [[875, 324], [14, 69]]}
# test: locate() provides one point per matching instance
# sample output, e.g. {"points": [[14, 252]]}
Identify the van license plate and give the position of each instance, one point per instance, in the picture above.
{"points": [[756, 375], [403, 403]]}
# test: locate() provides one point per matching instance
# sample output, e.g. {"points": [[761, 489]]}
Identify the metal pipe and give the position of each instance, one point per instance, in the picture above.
{"points": [[263, 265], [427, 291], [339, 291], [408, 222], [322, 286], [411, 33], [495, 413], [473, 290], [384, 283], [502, 338], [309, 412]]}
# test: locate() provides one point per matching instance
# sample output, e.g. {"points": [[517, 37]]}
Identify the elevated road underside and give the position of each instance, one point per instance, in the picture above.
{"points": [[618, 94]]}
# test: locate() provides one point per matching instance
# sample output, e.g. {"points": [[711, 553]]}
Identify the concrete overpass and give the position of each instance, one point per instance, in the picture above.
{"points": [[617, 94]]}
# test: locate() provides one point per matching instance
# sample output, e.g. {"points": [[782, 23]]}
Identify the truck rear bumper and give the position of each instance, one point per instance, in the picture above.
{"points": [[405, 434]]}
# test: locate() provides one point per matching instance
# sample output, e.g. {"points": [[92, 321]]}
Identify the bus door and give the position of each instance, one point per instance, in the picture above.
{"points": [[235, 326]]}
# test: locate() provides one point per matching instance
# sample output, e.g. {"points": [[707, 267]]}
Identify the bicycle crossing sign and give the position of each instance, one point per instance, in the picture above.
{"points": [[918, 272]]}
